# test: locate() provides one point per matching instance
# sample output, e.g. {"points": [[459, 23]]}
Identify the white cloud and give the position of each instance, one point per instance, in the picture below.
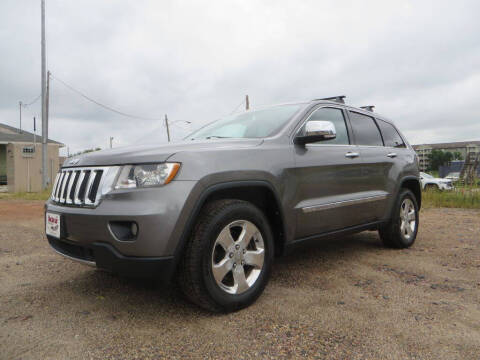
{"points": [[416, 61]]}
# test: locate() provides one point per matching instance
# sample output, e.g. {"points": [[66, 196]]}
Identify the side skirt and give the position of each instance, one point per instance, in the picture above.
{"points": [[313, 239]]}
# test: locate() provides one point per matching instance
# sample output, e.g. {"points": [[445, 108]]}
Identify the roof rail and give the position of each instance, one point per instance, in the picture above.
{"points": [[340, 99], [368, 107]]}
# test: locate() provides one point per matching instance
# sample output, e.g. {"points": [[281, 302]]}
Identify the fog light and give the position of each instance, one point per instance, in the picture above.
{"points": [[134, 229], [123, 230]]}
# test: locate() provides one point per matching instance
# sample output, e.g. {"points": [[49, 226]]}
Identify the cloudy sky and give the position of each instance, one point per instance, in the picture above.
{"points": [[417, 61]]}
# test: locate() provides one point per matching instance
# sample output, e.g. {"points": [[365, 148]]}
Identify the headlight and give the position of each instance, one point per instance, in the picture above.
{"points": [[146, 175]]}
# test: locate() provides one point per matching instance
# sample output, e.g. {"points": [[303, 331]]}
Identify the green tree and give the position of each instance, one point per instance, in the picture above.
{"points": [[457, 155], [438, 158]]}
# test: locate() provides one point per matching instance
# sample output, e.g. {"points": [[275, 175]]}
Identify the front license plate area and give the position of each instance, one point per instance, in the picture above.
{"points": [[52, 224]]}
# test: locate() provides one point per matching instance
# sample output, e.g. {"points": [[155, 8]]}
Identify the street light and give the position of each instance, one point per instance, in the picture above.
{"points": [[185, 121], [168, 129]]}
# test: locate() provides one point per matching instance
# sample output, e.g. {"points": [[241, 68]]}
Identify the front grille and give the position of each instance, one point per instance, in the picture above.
{"points": [[78, 186]]}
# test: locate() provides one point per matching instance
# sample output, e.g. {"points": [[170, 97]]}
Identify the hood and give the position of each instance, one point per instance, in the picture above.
{"points": [[154, 153]]}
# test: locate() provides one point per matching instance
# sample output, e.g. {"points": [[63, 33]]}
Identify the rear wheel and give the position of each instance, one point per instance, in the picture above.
{"points": [[228, 259], [401, 230]]}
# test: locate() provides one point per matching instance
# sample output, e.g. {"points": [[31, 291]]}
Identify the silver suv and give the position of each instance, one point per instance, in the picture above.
{"points": [[214, 210]]}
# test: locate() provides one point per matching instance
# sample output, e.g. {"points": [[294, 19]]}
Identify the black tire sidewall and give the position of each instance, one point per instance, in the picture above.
{"points": [[236, 211], [404, 194]]}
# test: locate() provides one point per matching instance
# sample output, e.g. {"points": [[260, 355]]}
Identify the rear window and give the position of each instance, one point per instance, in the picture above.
{"points": [[391, 137], [365, 130]]}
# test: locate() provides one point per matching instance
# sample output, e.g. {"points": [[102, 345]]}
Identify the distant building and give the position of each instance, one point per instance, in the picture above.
{"points": [[21, 159], [463, 147]]}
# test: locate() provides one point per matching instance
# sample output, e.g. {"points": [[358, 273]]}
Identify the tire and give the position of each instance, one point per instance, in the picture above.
{"points": [[210, 274], [396, 235]]}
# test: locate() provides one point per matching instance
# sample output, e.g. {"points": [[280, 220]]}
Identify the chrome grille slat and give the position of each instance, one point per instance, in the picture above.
{"points": [[83, 186], [76, 200], [69, 184], [64, 183], [68, 200], [55, 184], [87, 201], [69, 181], [60, 181]]}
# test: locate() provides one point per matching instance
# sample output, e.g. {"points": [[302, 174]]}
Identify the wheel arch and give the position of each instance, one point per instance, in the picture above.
{"points": [[261, 193], [413, 184]]}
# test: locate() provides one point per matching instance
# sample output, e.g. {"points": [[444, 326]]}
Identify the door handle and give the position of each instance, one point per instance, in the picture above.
{"points": [[392, 155], [352, 155]]}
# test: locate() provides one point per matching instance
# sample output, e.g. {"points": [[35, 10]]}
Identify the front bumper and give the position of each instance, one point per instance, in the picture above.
{"points": [[104, 256], [161, 213], [445, 186]]}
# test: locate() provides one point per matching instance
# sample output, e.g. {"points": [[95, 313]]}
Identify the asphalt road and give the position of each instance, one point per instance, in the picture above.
{"points": [[343, 299]]}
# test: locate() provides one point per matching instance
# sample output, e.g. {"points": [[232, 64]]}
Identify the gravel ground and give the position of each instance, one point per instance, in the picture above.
{"points": [[343, 299]]}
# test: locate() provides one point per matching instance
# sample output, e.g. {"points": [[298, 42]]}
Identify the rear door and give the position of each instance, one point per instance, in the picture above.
{"points": [[396, 154], [375, 167], [328, 175]]}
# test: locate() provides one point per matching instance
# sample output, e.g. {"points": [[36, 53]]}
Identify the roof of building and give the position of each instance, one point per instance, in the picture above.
{"points": [[11, 134], [450, 145]]}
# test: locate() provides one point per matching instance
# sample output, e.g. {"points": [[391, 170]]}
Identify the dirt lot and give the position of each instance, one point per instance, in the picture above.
{"points": [[345, 299]]}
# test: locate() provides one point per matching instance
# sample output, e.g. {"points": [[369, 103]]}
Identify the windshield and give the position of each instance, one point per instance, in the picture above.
{"points": [[250, 124], [426, 175]]}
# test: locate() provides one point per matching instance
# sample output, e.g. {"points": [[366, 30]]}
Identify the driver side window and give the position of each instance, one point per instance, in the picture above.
{"points": [[336, 117]]}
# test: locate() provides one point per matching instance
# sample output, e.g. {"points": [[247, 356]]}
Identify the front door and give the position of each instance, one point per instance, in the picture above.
{"points": [[330, 181]]}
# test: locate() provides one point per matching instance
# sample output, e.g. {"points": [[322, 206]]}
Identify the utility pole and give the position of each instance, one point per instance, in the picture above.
{"points": [[20, 107], [48, 96], [111, 142], [34, 134], [45, 181], [247, 103], [168, 130]]}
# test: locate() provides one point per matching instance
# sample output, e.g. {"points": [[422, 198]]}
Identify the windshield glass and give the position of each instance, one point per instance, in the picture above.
{"points": [[426, 175], [250, 124]]}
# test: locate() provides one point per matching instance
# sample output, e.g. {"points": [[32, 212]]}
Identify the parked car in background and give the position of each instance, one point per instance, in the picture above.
{"points": [[214, 210], [430, 182]]}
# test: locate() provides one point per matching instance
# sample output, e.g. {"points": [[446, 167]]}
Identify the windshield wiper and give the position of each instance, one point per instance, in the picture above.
{"points": [[217, 137]]}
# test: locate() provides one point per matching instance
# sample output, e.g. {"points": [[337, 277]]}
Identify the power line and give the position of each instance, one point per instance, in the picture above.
{"points": [[236, 108], [100, 104], [178, 126], [31, 102]]}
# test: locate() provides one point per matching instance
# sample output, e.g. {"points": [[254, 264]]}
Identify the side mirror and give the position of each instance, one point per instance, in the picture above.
{"points": [[316, 130]]}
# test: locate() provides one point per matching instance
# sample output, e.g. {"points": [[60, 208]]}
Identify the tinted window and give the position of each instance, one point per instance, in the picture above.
{"points": [[365, 130], [391, 137], [336, 117]]}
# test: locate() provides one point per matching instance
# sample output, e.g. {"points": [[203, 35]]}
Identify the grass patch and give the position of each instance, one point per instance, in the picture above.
{"points": [[464, 197], [43, 195]]}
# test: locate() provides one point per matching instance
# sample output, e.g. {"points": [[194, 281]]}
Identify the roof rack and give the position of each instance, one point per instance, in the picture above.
{"points": [[340, 99], [368, 107]]}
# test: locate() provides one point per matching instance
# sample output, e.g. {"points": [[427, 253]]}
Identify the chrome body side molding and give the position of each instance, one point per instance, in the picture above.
{"points": [[336, 204]]}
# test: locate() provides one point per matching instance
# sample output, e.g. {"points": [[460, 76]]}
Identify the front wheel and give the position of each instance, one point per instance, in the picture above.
{"points": [[401, 230], [228, 259]]}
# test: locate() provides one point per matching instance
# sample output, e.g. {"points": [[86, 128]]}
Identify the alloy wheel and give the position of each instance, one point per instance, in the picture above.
{"points": [[408, 219], [238, 256]]}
